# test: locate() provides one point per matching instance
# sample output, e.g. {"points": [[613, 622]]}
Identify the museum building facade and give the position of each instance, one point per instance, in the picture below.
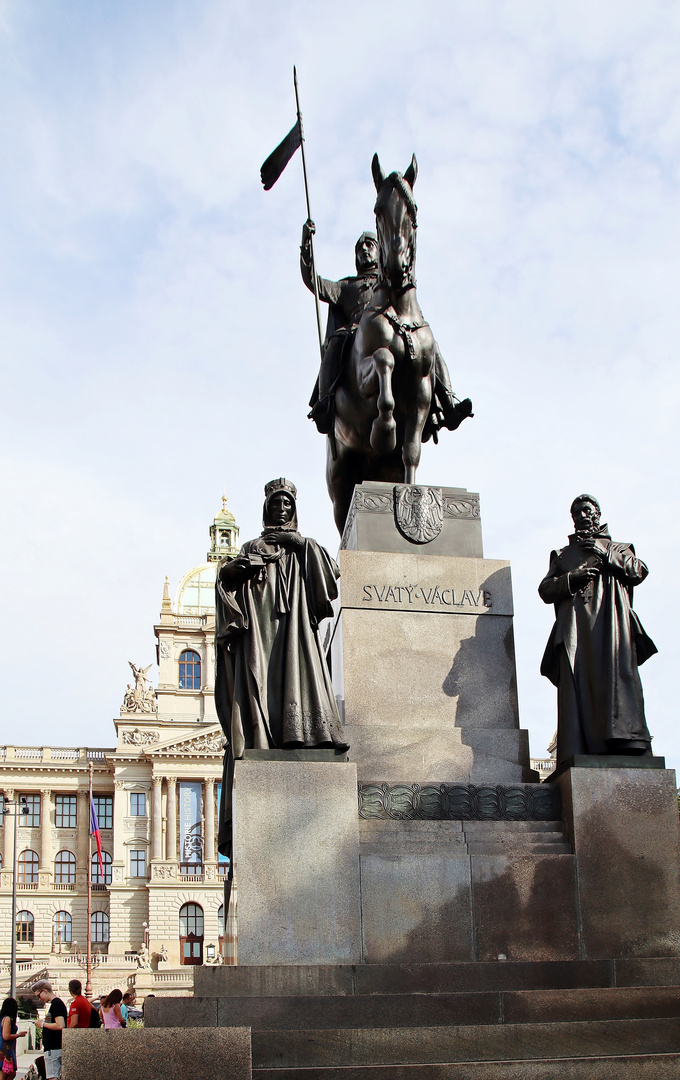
{"points": [[157, 898]]}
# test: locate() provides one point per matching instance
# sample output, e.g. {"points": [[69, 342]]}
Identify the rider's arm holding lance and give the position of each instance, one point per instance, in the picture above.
{"points": [[329, 291]]}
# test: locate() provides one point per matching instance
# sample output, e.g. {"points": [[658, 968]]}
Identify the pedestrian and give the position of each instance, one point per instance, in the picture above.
{"points": [[112, 1016], [8, 1045], [127, 1002], [52, 1027], [79, 1012]]}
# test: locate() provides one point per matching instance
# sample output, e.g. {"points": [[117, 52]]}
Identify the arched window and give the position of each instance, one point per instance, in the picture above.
{"points": [[191, 934], [65, 868], [61, 928], [28, 868], [97, 878], [99, 927], [189, 670], [25, 927]]}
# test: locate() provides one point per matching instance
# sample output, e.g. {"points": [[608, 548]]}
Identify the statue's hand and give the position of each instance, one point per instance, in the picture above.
{"points": [[291, 541], [583, 576], [308, 230], [593, 547]]}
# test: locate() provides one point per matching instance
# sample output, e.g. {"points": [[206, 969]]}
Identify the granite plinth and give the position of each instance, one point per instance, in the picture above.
{"points": [[164, 1054], [623, 825], [296, 851], [607, 761], [371, 524], [424, 663]]}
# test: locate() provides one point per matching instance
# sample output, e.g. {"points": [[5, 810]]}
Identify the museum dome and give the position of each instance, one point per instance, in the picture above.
{"points": [[196, 591]]}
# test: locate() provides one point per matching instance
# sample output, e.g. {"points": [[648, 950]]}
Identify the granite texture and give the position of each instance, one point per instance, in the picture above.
{"points": [[524, 906], [371, 523], [623, 825], [416, 907], [296, 848], [620, 1067], [276, 980], [180, 1012], [167, 1054], [488, 1042]]}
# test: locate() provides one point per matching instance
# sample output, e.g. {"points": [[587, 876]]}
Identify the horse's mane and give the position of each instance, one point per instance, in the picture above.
{"points": [[396, 180]]}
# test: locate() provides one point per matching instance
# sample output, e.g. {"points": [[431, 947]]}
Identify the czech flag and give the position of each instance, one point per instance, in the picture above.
{"points": [[94, 831]]}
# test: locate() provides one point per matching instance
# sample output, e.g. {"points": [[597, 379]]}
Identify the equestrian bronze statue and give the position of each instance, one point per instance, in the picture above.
{"points": [[393, 391]]}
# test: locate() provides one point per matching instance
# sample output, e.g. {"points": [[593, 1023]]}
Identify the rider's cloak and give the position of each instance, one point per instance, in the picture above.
{"points": [[594, 649]]}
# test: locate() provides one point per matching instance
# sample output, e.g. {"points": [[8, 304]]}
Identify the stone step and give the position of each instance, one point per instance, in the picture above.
{"points": [[512, 847], [621, 1067], [417, 1010], [321, 980], [357, 1047]]}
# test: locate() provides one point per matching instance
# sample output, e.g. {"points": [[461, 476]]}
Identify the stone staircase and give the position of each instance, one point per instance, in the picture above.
{"points": [[378, 837], [572, 1020]]}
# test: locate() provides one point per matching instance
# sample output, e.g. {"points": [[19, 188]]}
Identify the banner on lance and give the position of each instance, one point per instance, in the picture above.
{"points": [[191, 823]]}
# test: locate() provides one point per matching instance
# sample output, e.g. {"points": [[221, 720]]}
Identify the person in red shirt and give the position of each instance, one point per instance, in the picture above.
{"points": [[79, 1012]]}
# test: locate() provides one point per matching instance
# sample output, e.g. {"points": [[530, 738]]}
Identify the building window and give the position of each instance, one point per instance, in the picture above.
{"points": [[189, 671], [61, 928], [97, 878], [65, 868], [192, 869], [138, 863], [28, 868], [103, 805], [65, 812], [191, 934], [138, 804], [24, 927], [99, 927], [32, 819]]}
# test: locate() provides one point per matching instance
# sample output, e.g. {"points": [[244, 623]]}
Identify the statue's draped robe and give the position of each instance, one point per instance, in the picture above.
{"points": [[594, 650], [272, 684]]}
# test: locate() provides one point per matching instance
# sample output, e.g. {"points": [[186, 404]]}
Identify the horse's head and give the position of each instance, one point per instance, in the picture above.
{"points": [[395, 215]]}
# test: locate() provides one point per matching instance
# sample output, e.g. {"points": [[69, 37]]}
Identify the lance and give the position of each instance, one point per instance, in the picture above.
{"points": [[309, 213]]}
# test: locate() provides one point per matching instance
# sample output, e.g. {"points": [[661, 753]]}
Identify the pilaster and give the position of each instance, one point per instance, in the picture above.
{"points": [[157, 818], [171, 782]]}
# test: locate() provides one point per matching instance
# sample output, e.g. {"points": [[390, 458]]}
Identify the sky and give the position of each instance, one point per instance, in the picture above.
{"points": [[158, 345]]}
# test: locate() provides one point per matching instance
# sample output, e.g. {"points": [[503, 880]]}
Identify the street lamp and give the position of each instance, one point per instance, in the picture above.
{"points": [[19, 808]]}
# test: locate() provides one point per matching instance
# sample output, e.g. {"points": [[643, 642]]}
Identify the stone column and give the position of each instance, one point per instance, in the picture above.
{"points": [[172, 818], [157, 823], [46, 829], [83, 823], [209, 810]]}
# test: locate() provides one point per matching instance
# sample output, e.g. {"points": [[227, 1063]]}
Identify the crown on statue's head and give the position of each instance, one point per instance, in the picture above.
{"points": [[280, 485]]}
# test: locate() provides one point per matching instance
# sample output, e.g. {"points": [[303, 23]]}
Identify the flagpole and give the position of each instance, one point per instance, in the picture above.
{"points": [[88, 968], [309, 213]]}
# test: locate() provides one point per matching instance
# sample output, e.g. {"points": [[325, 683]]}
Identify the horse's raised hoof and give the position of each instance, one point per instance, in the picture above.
{"points": [[383, 436]]}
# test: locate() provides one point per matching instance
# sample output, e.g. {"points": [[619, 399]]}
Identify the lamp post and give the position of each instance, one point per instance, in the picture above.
{"points": [[20, 807]]}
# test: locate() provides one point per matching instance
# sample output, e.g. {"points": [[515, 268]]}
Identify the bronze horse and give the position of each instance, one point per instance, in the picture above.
{"points": [[395, 390]]}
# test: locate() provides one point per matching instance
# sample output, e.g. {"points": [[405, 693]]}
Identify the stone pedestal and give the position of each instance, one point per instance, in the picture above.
{"points": [[623, 826], [296, 851], [423, 652]]}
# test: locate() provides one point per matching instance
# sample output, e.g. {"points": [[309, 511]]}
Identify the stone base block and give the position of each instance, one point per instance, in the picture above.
{"points": [[296, 849], [623, 826], [163, 1053]]}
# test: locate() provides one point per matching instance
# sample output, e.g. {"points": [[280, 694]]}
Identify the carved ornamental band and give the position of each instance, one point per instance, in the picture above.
{"points": [[460, 802]]}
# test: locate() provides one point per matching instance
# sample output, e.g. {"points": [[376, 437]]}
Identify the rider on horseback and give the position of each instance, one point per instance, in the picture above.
{"points": [[347, 300]]}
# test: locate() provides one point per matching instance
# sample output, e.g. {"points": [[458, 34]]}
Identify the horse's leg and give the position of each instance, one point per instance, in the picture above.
{"points": [[340, 483], [413, 432], [384, 429]]}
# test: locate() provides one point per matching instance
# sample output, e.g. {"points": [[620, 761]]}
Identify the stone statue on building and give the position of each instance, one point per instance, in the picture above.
{"points": [[597, 642], [144, 957], [142, 698], [272, 686]]}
